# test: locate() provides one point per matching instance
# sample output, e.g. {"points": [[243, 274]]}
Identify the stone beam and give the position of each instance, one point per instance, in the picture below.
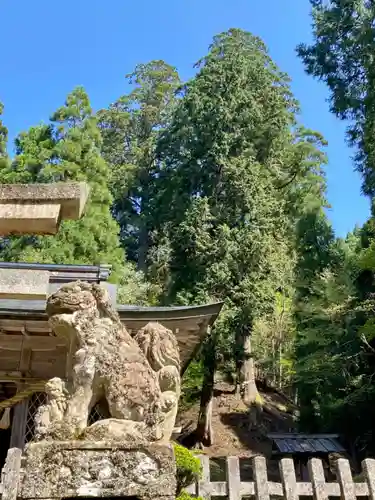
{"points": [[39, 208]]}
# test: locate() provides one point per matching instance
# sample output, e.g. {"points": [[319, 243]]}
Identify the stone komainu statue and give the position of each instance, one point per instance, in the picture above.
{"points": [[138, 377]]}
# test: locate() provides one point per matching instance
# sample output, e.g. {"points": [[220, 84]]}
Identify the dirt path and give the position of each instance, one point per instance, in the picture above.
{"points": [[232, 435]]}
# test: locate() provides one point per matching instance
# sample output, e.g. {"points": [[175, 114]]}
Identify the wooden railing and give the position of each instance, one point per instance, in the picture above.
{"points": [[289, 488]]}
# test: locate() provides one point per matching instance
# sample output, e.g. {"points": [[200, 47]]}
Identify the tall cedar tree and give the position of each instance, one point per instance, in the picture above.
{"points": [[274, 334], [130, 127], [3, 136], [228, 163], [68, 150]]}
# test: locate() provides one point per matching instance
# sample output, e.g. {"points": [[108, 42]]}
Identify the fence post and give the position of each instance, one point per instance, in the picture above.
{"points": [[345, 479], [261, 479], [233, 478], [288, 478], [368, 467], [317, 479], [11, 474], [204, 483]]}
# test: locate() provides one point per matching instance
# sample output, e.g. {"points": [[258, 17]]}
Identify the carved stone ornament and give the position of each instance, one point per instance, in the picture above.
{"points": [[138, 379]]}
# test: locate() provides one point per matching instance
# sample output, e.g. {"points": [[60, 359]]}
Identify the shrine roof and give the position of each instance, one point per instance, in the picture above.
{"points": [[27, 317], [14, 308], [19, 318], [312, 444]]}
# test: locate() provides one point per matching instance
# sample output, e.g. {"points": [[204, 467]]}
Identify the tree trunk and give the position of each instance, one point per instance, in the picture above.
{"points": [[274, 376], [143, 230], [250, 392], [204, 432], [143, 244]]}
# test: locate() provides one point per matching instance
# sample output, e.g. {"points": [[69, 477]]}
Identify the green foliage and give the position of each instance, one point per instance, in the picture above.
{"points": [[273, 343], [192, 383], [185, 496], [235, 169], [130, 127], [335, 306], [342, 56], [188, 467], [69, 149]]}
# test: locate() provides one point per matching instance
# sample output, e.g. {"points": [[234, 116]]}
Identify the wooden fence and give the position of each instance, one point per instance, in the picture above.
{"points": [[289, 488]]}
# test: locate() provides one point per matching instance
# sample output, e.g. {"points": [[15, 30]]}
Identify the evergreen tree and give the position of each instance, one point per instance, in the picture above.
{"points": [[4, 162], [338, 328], [4, 158], [69, 150], [317, 263], [229, 163], [130, 127], [342, 55]]}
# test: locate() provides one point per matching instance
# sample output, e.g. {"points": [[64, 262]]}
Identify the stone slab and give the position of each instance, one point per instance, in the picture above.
{"points": [[72, 196], [29, 219], [24, 284], [57, 470]]}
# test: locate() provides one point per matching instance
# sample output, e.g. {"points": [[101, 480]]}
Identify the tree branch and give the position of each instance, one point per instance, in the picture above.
{"points": [[364, 340]]}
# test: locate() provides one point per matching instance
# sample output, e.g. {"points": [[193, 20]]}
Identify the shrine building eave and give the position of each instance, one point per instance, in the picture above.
{"points": [[29, 350]]}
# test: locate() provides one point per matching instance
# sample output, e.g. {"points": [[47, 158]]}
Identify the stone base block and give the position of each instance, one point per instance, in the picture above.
{"points": [[62, 470]]}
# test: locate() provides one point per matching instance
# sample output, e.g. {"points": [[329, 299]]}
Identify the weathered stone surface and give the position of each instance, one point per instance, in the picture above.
{"points": [[56, 470], [139, 378], [29, 219], [54, 411], [10, 474], [72, 196], [160, 347], [24, 284], [39, 208]]}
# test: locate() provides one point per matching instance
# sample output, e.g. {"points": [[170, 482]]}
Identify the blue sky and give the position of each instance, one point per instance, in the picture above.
{"points": [[49, 47]]}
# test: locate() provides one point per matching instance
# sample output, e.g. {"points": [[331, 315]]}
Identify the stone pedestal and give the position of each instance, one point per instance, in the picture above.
{"points": [[61, 470]]}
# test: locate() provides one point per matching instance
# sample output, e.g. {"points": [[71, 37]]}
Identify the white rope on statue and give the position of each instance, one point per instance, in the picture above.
{"points": [[23, 394]]}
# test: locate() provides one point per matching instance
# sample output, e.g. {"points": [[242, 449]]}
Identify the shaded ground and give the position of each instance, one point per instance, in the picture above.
{"points": [[230, 420]]}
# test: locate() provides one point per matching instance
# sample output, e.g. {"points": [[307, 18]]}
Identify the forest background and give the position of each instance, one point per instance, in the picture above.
{"points": [[212, 188]]}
